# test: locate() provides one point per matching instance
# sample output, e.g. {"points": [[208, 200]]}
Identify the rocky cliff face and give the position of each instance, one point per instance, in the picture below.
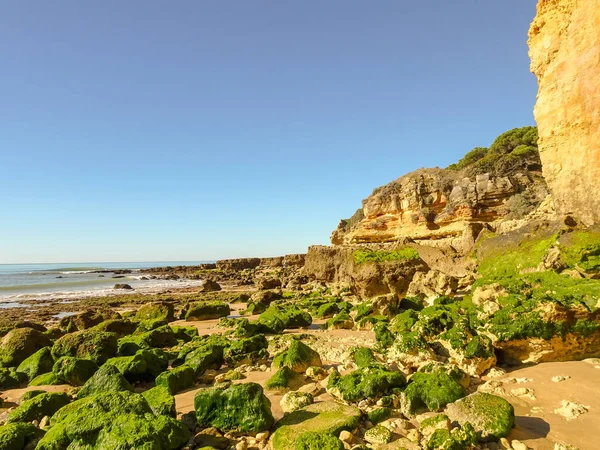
{"points": [[564, 42], [446, 207]]}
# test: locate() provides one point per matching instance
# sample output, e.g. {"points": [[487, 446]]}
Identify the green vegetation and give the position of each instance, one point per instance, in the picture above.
{"points": [[284, 379], [37, 407], [491, 416], [403, 254], [431, 391], [379, 414], [106, 379], [239, 408], [177, 379], [74, 371], [160, 401], [14, 436], [207, 311], [368, 383], [115, 420], [297, 357], [317, 441], [247, 351], [95, 345], [19, 344], [38, 363]]}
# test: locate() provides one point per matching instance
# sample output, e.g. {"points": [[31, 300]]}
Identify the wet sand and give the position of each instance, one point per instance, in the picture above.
{"points": [[537, 423]]}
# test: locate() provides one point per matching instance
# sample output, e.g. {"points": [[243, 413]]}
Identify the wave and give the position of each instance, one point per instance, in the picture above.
{"points": [[68, 270]]}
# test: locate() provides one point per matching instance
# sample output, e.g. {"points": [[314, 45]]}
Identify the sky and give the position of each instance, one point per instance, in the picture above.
{"points": [[196, 130]]}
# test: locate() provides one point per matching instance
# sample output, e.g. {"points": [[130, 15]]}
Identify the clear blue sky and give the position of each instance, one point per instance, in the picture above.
{"points": [[193, 130]]}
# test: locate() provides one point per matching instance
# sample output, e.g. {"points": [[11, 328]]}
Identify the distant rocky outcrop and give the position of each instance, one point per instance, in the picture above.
{"points": [[565, 56], [449, 207]]}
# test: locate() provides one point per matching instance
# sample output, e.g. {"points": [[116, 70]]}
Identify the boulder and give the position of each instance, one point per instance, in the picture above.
{"points": [[97, 346], [177, 379], [20, 343], [283, 380], [293, 401], [239, 408], [324, 418], [429, 392], [115, 420], [39, 406], [491, 416], [38, 363], [161, 401], [367, 383], [210, 286], [318, 441], [298, 357], [207, 311], [106, 379], [156, 310], [123, 286], [15, 436], [11, 378], [74, 371]]}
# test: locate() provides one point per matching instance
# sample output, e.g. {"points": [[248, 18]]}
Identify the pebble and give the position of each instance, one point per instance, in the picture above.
{"points": [[559, 378], [505, 443], [413, 435], [346, 436], [518, 445], [261, 437], [242, 445]]}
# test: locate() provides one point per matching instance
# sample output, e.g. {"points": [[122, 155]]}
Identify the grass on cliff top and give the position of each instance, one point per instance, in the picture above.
{"points": [[403, 254]]}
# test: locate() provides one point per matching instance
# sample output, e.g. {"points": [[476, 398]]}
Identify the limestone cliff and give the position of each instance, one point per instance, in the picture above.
{"points": [[564, 42], [449, 207]]}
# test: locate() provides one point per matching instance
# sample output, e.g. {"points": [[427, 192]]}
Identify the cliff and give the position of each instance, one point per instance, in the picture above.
{"points": [[564, 46], [449, 207]]}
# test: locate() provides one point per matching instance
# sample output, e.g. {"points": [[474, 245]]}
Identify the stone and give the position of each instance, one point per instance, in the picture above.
{"points": [[571, 410], [123, 286], [378, 435], [565, 56], [346, 436], [106, 379], [210, 286], [324, 418], [207, 311], [38, 363], [298, 357], [240, 408], [20, 343], [518, 445], [491, 416], [39, 406], [292, 401]]}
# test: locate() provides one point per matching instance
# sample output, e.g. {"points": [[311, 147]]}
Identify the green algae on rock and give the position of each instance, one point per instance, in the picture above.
{"points": [[239, 408], [324, 418], [38, 363], [277, 318], [247, 351], [37, 407], [207, 311], [297, 357], [115, 420], [106, 379], [366, 383], [156, 310], [284, 379], [20, 343], [177, 379], [74, 371], [490, 415], [378, 435], [161, 401], [318, 441], [97, 346], [430, 391], [11, 378], [14, 436], [46, 379]]}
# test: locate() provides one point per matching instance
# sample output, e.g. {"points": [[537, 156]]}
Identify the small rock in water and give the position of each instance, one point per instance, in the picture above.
{"points": [[122, 286]]}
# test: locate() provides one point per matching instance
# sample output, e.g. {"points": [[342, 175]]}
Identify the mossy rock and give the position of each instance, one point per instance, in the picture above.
{"points": [[324, 418], [294, 400], [177, 379], [156, 359], [74, 371], [379, 415], [363, 357], [11, 378], [38, 363], [207, 311], [205, 357], [160, 337], [367, 383], [284, 379], [240, 408], [106, 379], [114, 420], [121, 327], [15, 436], [19, 344], [46, 379], [156, 310], [86, 320], [277, 318], [38, 407], [430, 392], [490, 415], [133, 368], [378, 435], [317, 441], [328, 310], [341, 321], [30, 394], [186, 334], [161, 402], [297, 357], [97, 346], [250, 350]]}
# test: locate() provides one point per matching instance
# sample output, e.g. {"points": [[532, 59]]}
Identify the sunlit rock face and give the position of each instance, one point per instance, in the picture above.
{"points": [[564, 42]]}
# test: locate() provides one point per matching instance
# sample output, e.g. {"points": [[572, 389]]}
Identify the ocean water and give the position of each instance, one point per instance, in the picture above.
{"points": [[50, 281]]}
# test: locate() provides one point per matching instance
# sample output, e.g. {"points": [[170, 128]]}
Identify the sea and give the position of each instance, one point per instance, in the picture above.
{"points": [[41, 282]]}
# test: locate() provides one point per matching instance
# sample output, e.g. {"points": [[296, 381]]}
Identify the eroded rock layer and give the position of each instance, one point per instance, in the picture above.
{"points": [[564, 42]]}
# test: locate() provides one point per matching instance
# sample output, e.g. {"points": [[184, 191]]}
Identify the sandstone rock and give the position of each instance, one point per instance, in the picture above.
{"points": [[292, 401], [432, 285], [210, 286], [565, 57]]}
